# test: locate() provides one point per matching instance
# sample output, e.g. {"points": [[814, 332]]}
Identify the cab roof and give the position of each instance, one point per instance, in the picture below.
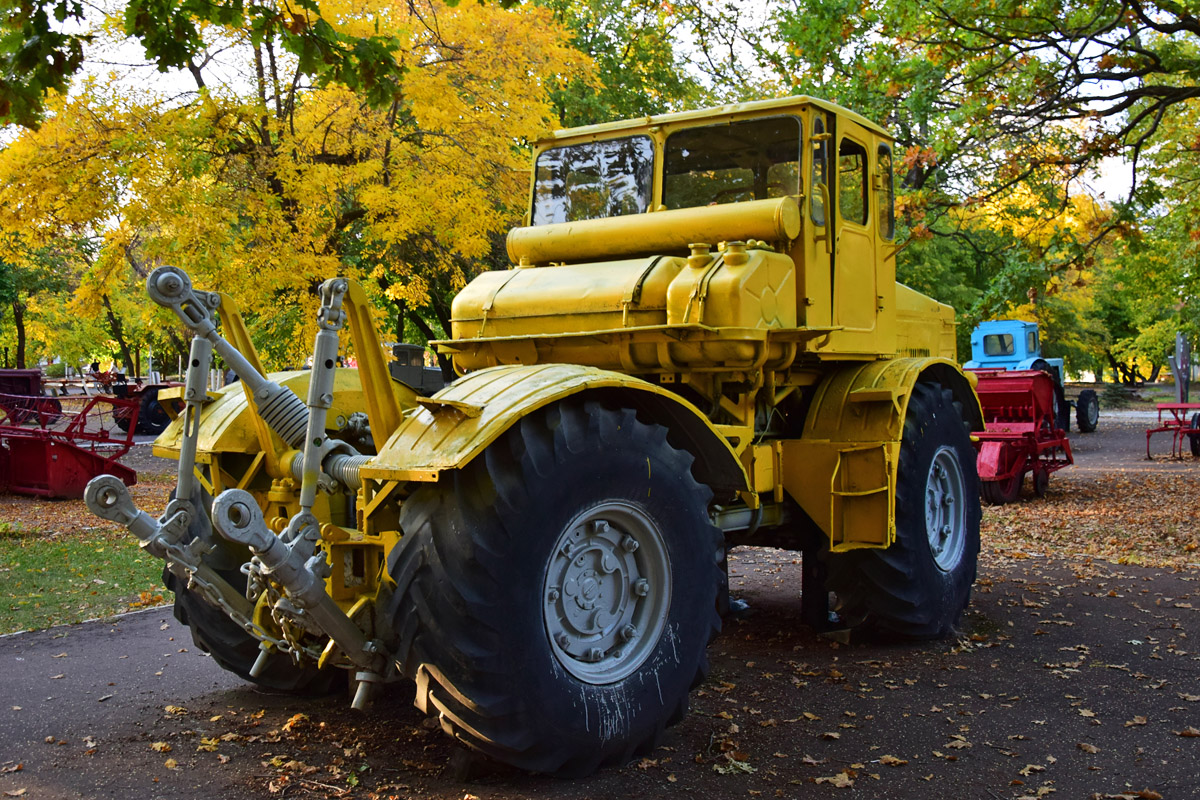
{"points": [[752, 108]]}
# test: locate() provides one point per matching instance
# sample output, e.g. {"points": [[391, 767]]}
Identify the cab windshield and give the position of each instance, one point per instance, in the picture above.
{"points": [[609, 178], [732, 162]]}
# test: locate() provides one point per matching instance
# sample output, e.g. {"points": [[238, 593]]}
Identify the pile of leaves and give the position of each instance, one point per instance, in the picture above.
{"points": [[1143, 518]]}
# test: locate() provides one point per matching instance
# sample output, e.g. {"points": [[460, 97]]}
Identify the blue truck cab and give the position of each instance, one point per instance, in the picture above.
{"points": [[1011, 344]]}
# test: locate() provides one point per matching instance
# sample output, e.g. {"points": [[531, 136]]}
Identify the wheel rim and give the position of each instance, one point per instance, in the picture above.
{"points": [[607, 592], [945, 509], [1093, 413]]}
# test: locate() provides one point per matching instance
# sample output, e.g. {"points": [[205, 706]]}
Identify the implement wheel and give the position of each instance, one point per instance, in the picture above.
{"points": [[1087, 411], [918, 587], [152, 419], [555, 597], [998, 493]]}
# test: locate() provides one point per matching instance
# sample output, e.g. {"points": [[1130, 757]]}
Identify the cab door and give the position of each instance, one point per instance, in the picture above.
{"points": [[855, 293]]}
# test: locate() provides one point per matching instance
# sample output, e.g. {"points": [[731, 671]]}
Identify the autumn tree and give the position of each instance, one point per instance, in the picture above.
{"points": [[263, 182]]}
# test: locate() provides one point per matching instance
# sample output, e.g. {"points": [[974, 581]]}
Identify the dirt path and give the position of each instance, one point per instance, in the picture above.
{"points": [[1074, 677]]}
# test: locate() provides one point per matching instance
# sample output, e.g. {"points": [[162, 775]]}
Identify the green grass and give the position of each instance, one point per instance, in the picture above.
{"points": [[50, 580]]}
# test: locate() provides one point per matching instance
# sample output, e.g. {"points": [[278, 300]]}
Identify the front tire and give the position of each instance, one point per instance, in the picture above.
{"points": [[1087, 411], [918, 587], [556, 596]]}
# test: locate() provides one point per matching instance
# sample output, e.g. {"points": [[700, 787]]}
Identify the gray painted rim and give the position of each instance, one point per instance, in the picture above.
{"points": [[946, 509], [607, 592]]}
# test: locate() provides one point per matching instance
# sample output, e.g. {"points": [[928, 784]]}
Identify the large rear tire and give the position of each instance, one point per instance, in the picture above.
{"points": [[1087, 411], [555, 597], [918, 587]]}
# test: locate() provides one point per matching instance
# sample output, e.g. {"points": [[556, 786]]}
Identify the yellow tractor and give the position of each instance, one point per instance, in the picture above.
{"points": [[700, 343]]}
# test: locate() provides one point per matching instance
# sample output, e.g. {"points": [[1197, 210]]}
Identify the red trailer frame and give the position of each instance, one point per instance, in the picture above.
{"points": [[1020, 433], [51, 447]]}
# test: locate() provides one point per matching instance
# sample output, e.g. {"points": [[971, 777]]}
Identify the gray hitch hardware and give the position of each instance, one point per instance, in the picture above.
{"points": [[237, 517]]}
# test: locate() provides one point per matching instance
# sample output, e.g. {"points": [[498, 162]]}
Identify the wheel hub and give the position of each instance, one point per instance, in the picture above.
{"points": [[945, 509], [606, 592]]}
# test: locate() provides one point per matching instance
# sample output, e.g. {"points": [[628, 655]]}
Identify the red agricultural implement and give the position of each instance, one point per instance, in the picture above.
{"points": [[1020, 435], [52, 446]]}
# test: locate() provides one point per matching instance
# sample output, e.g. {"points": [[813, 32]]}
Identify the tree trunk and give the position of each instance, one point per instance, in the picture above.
{"points": [[114, 325], [19, 322]]}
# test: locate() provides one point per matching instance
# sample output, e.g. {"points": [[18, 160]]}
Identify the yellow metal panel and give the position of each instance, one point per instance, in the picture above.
{"points": [[843, 471], [383, 409], [576, 298], [754, 108], [774, 220], [227, 424], [484, 404]]}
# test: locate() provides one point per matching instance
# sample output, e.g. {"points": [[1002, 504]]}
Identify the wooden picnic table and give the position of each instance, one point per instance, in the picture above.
{"points": [[1178, 422]]}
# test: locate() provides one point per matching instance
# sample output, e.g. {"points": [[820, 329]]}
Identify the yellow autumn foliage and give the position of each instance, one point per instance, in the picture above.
{"points": [[264, 187]]}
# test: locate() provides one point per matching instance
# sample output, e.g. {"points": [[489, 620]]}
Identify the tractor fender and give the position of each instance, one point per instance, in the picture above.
{"points": [[227, 420], [446, 431], [842, 470]]}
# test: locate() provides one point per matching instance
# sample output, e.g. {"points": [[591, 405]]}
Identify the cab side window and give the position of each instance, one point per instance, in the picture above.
{"points": [[886, 194], [820, 170], [852, 182]]}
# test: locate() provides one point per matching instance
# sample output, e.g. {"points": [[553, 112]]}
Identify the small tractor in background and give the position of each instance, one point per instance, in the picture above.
{"points": [[1010, 344], [152, 418], [700, 343], [1025, 410]]}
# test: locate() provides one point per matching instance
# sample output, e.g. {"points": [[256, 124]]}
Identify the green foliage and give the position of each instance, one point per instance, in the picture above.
{"points": [[638, 68]]}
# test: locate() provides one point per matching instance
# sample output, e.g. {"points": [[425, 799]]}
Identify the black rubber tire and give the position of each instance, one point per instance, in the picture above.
{"points": [[1062, 409], [469, 609], [998, 493], [231, 647], [1087, 411], [1041, 482], [235, 650], [152, 419], [901, 590], [1194, 438]]}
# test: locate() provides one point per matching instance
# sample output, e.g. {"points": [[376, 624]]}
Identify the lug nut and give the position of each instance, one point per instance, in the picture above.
{"points": [[562, 640], [553, 596], [599, 526], [629, 544], [628, 632], [641, 587], [595, 654]]}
